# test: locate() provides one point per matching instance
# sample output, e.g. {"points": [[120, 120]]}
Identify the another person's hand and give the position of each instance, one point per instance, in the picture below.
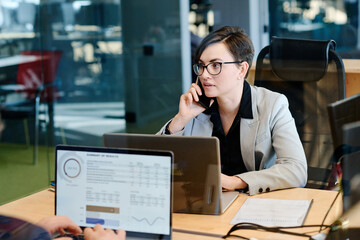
{"points": [[188, 108], [59, 224], [99, 233], [230, 183]]}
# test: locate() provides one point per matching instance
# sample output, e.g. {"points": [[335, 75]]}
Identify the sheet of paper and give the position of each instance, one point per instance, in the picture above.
{"points": [[273, 212]]}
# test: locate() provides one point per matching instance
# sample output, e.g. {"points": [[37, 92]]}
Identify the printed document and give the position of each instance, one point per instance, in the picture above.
{"points": [[273, 212]]}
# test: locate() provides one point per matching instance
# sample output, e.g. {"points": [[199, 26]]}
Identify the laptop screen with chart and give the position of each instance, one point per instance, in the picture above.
{"points": [[117, 188]]}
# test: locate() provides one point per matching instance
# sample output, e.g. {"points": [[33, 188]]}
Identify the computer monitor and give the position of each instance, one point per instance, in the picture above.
{"points": [[26, 13], [7, 17], [68, 14], [99, 14], [350, 163], [112, 15], [340, 113], [89, 15]]}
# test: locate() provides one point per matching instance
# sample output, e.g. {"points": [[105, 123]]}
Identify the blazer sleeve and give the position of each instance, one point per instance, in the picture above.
{"points": [[163, 129], [288, 167]]}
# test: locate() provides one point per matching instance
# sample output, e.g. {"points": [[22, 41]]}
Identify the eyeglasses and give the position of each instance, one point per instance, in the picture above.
{"points": [[214, 68]]}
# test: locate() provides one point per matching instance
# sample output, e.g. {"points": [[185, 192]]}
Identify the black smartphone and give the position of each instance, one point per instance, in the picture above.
{"points": [[203, 99]]}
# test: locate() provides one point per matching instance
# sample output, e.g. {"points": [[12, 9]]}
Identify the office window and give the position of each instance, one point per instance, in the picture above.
{"points": [[317, 19]]}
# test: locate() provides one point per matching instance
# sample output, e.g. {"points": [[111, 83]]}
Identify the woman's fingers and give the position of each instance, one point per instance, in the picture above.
{"points": [[197, 88], [194, 94]]}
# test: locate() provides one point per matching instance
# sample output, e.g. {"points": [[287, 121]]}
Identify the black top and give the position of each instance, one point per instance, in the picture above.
{"points": [[232, 162], [231, 159]]}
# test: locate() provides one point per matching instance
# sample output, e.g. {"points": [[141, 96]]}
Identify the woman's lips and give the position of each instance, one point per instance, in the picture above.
{"points": [[207, 85]]}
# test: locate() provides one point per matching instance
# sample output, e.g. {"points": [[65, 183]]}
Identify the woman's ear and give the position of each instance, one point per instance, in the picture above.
{"points": [[244, 66]]}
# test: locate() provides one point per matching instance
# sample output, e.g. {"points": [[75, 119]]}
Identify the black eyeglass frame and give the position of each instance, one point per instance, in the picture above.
{"points": [[196, 66]]}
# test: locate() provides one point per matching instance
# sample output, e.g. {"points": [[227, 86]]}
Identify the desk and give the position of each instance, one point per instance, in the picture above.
{"points": [[352, 75], [9, 67], [17, 60], [301, 27], [88, 36], [41, 204], [17, 35]]}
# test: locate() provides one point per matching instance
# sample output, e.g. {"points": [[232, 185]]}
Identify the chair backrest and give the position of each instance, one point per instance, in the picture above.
{"points": [[311, 75], [39, 72]]}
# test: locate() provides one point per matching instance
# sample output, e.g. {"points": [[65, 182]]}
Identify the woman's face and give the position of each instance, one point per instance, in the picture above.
{"points": [[227, 82]]}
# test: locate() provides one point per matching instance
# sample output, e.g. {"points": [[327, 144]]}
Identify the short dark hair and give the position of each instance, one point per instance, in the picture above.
{"points": [[235, 39]]}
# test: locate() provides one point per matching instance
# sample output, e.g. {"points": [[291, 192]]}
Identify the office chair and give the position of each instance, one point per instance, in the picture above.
{"points": [[35, 83], [311, 75]]}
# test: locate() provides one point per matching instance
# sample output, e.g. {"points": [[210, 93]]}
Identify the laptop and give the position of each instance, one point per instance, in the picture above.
{"points": [[197, 184], [117, 188]]}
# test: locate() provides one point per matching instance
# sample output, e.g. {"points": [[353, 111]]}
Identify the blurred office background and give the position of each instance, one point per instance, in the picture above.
{"points": [[121, 66]]}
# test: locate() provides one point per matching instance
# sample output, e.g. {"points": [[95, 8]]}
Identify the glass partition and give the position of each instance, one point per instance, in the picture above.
{"points": [[152, 62], [71, 71]]}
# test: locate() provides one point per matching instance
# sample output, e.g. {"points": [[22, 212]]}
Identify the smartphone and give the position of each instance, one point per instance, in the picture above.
{"points": [[203, 99]]}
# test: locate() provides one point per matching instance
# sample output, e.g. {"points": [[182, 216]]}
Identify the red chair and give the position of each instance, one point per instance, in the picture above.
{"points": [[40, 74], [36, 80]]}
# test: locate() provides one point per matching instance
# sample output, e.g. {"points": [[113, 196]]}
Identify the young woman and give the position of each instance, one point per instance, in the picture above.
{"points": [[259, 144]]}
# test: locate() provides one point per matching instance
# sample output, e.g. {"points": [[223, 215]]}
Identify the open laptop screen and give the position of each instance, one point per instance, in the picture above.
{"points": [[128, 189], [197, 185]]}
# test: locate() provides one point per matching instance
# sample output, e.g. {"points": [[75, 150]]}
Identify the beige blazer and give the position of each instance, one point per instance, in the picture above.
{"points": [[270, 145]]}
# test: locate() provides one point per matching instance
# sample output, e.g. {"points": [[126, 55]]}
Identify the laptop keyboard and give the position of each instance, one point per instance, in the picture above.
{"points": [[78, 237]]}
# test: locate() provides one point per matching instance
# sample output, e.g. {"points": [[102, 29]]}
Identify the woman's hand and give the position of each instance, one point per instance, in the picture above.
{"points": [[188, 108], [59, 224], [230, 183], [99, 233]]}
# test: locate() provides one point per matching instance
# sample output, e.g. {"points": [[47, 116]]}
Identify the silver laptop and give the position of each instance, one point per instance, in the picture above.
{"points": [[197, 184], [127, 189]]}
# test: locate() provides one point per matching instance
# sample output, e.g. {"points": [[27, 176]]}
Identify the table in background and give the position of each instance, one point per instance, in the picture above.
{"points": [[352, 76], [195, 226], [9, 66]]}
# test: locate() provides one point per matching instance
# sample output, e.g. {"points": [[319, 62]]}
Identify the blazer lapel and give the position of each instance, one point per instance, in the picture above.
{"points": [[248, 132]]}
